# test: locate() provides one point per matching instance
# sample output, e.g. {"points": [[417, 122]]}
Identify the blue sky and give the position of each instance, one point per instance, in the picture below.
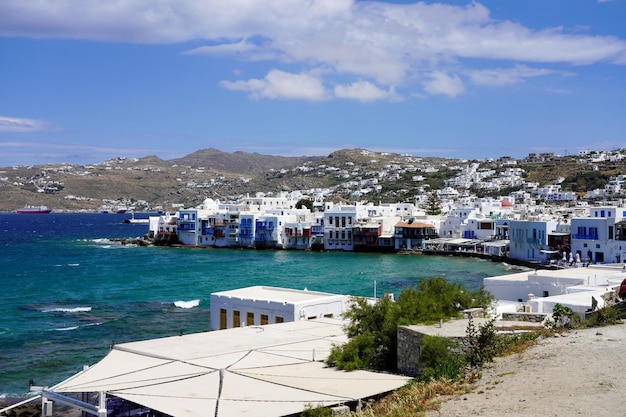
{"points": [[82, 81]]}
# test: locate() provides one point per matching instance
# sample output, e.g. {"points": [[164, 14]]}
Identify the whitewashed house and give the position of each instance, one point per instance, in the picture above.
{"points": [[595, 238], [529, 239], [338, 224], [260, 305]]}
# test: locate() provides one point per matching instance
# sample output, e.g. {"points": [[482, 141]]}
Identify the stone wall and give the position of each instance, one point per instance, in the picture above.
{"points": [[409, 342], [524, 317]]}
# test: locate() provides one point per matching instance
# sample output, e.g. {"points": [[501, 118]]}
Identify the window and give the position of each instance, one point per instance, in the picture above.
{"points": [[279, 319], [330, 219], [264, 319], [249, 319], [223, 315], [236, 318]]}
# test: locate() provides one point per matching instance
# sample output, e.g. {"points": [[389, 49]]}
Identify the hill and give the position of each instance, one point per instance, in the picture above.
{"points": [[150, 183]]}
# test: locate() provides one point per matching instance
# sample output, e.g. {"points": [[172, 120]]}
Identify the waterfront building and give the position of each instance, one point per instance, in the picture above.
{"points": [[338, 225], [411, 234], [529, 240], [269, 230], [594, 237], [261, 305], [374, 234], [306, 232], [189, 226], [247, 229]]}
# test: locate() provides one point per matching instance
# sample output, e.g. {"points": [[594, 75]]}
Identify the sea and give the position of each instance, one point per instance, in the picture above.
{"points": [[69, 289]]}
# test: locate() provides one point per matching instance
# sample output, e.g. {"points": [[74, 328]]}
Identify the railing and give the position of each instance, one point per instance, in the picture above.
{"points": [[586, 237]]}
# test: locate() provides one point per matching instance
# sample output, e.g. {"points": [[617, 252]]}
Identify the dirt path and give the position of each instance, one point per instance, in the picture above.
{"points": [[582, 373]]}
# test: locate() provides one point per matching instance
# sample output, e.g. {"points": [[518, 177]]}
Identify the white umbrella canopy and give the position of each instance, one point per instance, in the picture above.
{"points": [[213, 374]]}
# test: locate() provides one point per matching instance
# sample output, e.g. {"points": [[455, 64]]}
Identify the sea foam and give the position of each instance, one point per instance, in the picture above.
{"points": [[66, 310], [187, 304]]}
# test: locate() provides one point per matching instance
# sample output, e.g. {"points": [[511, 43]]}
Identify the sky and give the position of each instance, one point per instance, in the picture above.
{"points": [[83, 81]]}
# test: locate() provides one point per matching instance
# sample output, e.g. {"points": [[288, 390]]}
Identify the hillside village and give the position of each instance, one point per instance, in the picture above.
{"points": [[357, 200], [357, 175]]}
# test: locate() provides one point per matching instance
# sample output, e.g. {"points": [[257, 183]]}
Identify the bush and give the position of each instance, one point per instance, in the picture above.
{"points": [[564, 316], [319, 411], [440, 358], [481, 344], [603, 317]]}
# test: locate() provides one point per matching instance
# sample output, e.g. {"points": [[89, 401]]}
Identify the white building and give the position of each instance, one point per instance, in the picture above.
{"points": [[338, 224], [594, 238], [577, 288], [260, 305], [529, 238]]}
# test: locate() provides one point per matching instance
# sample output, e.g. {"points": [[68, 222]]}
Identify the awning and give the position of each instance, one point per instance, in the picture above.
{"points": [[271, 370]]}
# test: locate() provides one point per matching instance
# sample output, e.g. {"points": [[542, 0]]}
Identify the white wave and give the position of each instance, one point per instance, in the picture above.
{"points": [[66, 310], [65, 329], [102, 241], [73, 264], [187, 304]]}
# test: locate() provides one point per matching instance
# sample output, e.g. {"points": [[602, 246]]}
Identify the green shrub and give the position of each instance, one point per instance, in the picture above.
{"points": [[440, 358], [319, 411], [564, 316], [481, 343], [603, 317]]}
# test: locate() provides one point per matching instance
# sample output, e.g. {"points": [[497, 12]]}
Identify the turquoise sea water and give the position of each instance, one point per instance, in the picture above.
{"points": [[67, 291]]}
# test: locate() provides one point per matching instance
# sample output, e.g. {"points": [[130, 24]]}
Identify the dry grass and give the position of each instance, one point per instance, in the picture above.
{"points": [[414, 399]]}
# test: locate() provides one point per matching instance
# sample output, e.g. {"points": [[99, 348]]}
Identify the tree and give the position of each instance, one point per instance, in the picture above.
{"points": [[433, 205], [372, 334], [304, 202], [372, 326]]}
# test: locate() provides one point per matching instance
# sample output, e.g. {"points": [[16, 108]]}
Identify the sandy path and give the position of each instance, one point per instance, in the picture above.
{"points": [[582, 373]]}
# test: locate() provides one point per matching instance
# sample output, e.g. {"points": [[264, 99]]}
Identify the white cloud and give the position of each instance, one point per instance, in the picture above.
{"points": [[506, 76], [364, 91], [21, 125], [381, 43], [281, 85], [442, 83]]}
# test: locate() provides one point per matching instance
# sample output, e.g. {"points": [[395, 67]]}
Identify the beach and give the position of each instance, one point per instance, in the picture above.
{"points": [[579, 373]]}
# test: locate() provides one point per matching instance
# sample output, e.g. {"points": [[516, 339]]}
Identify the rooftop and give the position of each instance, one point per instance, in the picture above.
{"points": [[274, 294]]}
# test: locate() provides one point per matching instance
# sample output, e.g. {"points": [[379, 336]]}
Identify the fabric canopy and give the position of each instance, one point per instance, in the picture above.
{"points": [[270, 370]]}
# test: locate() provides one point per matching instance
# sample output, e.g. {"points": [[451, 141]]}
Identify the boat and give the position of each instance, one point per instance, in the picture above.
{"points": [[34, 210], [133, 220]]}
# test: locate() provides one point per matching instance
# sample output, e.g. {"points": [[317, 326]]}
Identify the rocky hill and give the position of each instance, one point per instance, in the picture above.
{"points": [[151, 183]]}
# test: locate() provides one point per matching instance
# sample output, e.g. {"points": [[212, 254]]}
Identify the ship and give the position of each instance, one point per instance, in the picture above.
{"points": [[34, 210]]}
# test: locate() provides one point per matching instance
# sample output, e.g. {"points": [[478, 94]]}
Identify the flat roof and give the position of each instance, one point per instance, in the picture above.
{"points": [[270, 370], [611, 274], [458, 328], [261, 292]]}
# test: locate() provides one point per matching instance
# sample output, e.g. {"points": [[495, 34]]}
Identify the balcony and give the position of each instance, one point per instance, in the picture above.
{"points": [[586, 237]]}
